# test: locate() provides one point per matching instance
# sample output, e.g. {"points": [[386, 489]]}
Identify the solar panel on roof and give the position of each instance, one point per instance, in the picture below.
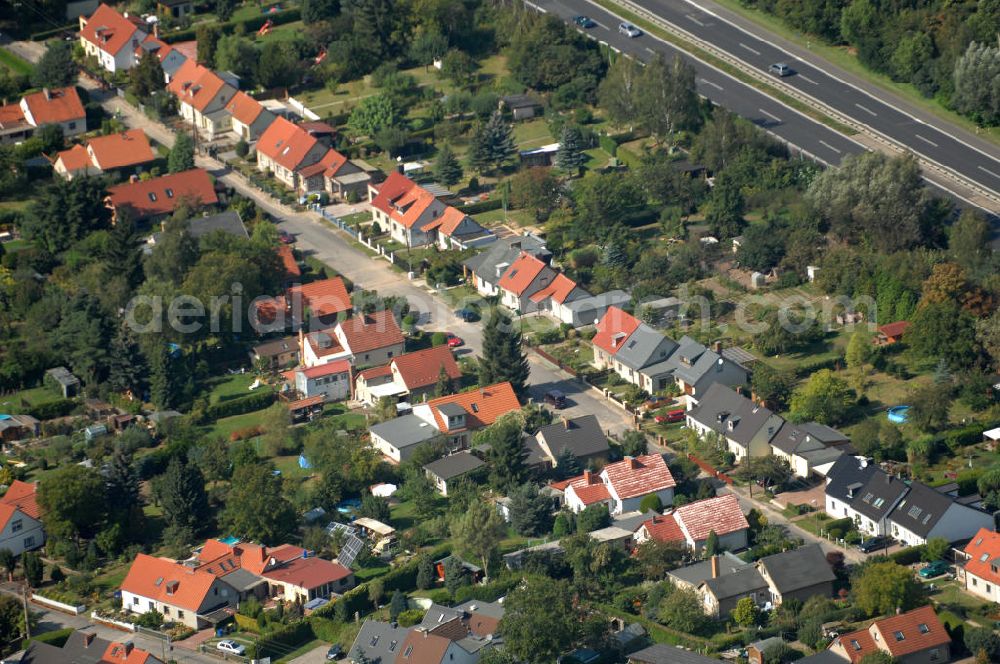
{"points": [[350, 550]]}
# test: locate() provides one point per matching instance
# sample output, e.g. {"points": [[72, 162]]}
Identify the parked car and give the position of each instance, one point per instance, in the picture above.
{"points": [[629, 30], [584, 22], [555, 398], [467, 314], [874, 544], [936, 568], [285, 237], [230, 647], [454, 341], [654, 402], [336, 651], [671, 416], [780, 69]]}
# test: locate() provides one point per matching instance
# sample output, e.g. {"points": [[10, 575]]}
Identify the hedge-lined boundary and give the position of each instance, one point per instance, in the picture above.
{"points": [[250, 24]]}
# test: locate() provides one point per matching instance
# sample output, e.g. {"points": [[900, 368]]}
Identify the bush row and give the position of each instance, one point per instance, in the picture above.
{"points": [[52, 409], [247, 404], [482, 206], [249, 24]]}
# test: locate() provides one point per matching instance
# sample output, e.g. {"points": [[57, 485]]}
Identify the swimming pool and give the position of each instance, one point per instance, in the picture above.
{"points": [[230, 540], [897, 414]]}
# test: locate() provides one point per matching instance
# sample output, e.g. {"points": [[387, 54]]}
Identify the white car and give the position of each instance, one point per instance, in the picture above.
{"points": [[629, 30], [231, 647]]}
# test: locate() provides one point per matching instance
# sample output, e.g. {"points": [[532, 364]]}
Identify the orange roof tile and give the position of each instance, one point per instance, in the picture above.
{"points": [[128, 148], [161, 195], [920, 629], [11, 116], [23, 495], [212, 549], [167, 582], [376, 372], [558, 290], [244, 108], [448, 222], [984, 556], [894, 329], [614, 329], [403, 199], [370, 331], [286, 144], [588, 487], [126, 653], [664, 529], [639, 476], [857, 644], [394, 186], [325, 297], [335, 367], [54, 106], [721, 514], [333, 161], [162, 49], [423, 367], [422, 648], [109, 30], [521, 273], [308, 573], [196, 85], [292, 270], [315, 339], [75, 159], [482, 406]]}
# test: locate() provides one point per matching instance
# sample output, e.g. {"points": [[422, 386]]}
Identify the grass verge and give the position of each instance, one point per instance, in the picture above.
{"points": [[14, 63]]}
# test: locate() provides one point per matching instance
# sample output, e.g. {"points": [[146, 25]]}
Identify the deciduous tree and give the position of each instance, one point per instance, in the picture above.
{"points": [[881, 588], [256, 506], [55, 69], [825, 398]]}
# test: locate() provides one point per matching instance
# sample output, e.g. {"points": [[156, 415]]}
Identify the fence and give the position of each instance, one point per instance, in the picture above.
{"points": [[302, 109], [388, 254], [57, 605], [710, 469], [112, 622]]}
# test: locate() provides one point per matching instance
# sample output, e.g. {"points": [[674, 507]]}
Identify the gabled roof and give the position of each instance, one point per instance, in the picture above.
{"points": [[847, 476], [11, 115], [613, 329], [307, 572], [196, 85], [109, 30], [664, 529], [54, 106], [797, 568], [582, 436], [404, 431], [741, 582], [228, 222], [894, 329], [244, 108], [423, 367], [119, 150], [328, 369], [292, 269], [421, 648], [161, 195], [403, 200], [167, 582], [82, 647], [558, 290], [503, 252], [379, 641], [794, 439], [645, 347], [366, 332], [984, 555], [326, 297], [661, 653], [921, 509], [734, 416], [588, 487], [482, 406], [899, 635], [23, 495], [454, 465], [520, 275], [126, 653], [451, 220], [75, 158], [286, 144], [699, 572], [639, 476], [721, 514], [879, 495]]}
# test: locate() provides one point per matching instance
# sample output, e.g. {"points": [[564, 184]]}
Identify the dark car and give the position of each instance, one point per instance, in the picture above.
{"points": [[874, 544], [467, 314], [584, 22], [335, 652], [555, 398], [285, 237]]}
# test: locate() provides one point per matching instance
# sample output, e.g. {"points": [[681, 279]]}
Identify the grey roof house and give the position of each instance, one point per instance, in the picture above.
{"points": [[804, 452], [661, 653], [488, 266], [721, 593], [588, 310], [400, 436], [697, 368], [228, 222], [926, 512], [64, 381], [379, 642], [746, 427], [452, 467], [872, 504], [843, 481], [799, 573], [582, 436]]}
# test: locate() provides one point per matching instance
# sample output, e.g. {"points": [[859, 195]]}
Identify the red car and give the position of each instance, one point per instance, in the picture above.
{"points": [[671, 416], [454, 342], [285, 237]]}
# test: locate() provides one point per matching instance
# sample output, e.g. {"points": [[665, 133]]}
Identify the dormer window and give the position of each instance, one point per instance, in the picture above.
{"points": [[152, 196], [170, 192]]}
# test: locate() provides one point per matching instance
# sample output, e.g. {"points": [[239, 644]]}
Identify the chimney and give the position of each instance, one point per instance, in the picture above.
{"points": [[47, 93], [587, 476], [739, 390], [565, 422], [715, 567], [633, 463], [717, 346], [128, 645], [88, 638]]}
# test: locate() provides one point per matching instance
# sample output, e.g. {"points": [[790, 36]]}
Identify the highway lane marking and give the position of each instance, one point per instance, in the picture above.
{"points": [[752, 50], [926, 140], [694, 20], [822, 142], [707, 82], [770, 115], [807, 79], [867, 110], [986, 170]]}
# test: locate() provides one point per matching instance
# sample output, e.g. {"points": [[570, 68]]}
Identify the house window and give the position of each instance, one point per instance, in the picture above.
{"points": [[152, 605], [17, 525], [935, 655], [29, 542], [924, 629], [974, 581], [180, 614], [989, 588], [135, 601], [390, 353], [72, 125], [899, 636]]}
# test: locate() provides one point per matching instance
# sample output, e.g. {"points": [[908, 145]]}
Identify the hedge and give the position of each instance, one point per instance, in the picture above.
{"points": [[958, 438], [806, 370], [608, 144], [279, 642], [250, 24], [52, 409], [909, 555], [482, 206], [844, 524], [246, 623], [56, 638], [247, 404]]}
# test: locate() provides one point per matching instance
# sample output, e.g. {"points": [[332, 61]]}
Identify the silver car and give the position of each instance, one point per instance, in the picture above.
{"points": [[231, 647], [629, 30], [780, 69]]}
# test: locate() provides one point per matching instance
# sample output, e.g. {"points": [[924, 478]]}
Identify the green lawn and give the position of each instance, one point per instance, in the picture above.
{"points": [[25, 400], [14, 64], [533, 133], [227, 387], [520, 218], [227, 425]]}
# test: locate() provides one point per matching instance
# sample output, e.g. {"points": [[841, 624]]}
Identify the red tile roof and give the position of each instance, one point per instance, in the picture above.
{"points": [[54, 106], [448, 222], [308, 573], [983, 549], [292, 269], [721, 514], [285, 143], [126, 653], [167, 582], [161, 195], [423, 367], [335, 367], [521, 273], [75, 159], [639, 476], [894, 329], [421, 648], [189, 49], [376, 372], [314, 338], [614, 329], [857, 644], [482, 406], [109, 30], [196, 85], [664, 529], [403, 199], [244, 108], [371, 331], [899, 635], [394, 186], [212, 549], [128, 148], [589, 488], [325, 297], [23, 495], [558, 290], [11, 116], [162, 49]]}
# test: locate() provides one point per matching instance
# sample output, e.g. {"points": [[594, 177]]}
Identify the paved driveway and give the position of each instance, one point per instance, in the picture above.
{"points": [[317, 656]]}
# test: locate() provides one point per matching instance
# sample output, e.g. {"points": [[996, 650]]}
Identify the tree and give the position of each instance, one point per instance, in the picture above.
{"points": [[936, 548], [425, 573], [929, 406], [540, 620], [746, 613], [224, 9], [397, 604], [146, 78], [256, 506], [681, 610], [656, 558], [881, 588], [459, 67], [535, 189], [427, 47], [570, 157], [982, 639], [725, 207], [180, 491], [11, 618], [55, 69], [63, 212], [618, 93], [374, 507], [492, 144], [651, 503], [165, 388], [976, 91], [73, 501], [604, 202], [825, 398], [9, 562], [175, 253], [988, 336], [507, 454], [181, 157], [207, 37], [278, 65], [33, 568], [593, 517], [238, 55], [858, 356], [711, 544], [447, 168], [479, 532], [772, 386], [943, 330], [455, 575], [373, 114], [771, 471], [667, 99], [546, 55], [567, 465], [530, 511], [503, 358], [969, 242]]}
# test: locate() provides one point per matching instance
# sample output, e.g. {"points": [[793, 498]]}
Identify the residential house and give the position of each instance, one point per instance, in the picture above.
{"points": [[287, 151], [621, 485], [175, 9], [662, 653], [112, 38], [202, 96], [875, 500], [83, 646], [65, 382], [745, 427], [554, 298], [152, 200], [526, 276], [249, 117], [798, 573], [180, 593], [18, 427], [809, 448], [588, 310], [721, 592], [914, 637], [343, 177], [127, 653], [60, 107], [489, 265], [891, 333], [320, 302], [277, 353], [377, 642], [365, 339], [332, 381], [304, 577], [171, 58], [692, 576], [521, 106], [844, 482], [228, 222], [980, 573], [693, 524], [453, 417], [451, 467], [125, 151], [21, 526], [452, 636], [925, 512], [580, 436], [411, 376], [697, 368]]}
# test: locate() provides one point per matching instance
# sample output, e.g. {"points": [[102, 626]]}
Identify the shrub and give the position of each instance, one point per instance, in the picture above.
{"points": [[245, 433], [52, 409], [56, 638], [247, 404], [410, 617], [908, 556], [150, 620]]}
